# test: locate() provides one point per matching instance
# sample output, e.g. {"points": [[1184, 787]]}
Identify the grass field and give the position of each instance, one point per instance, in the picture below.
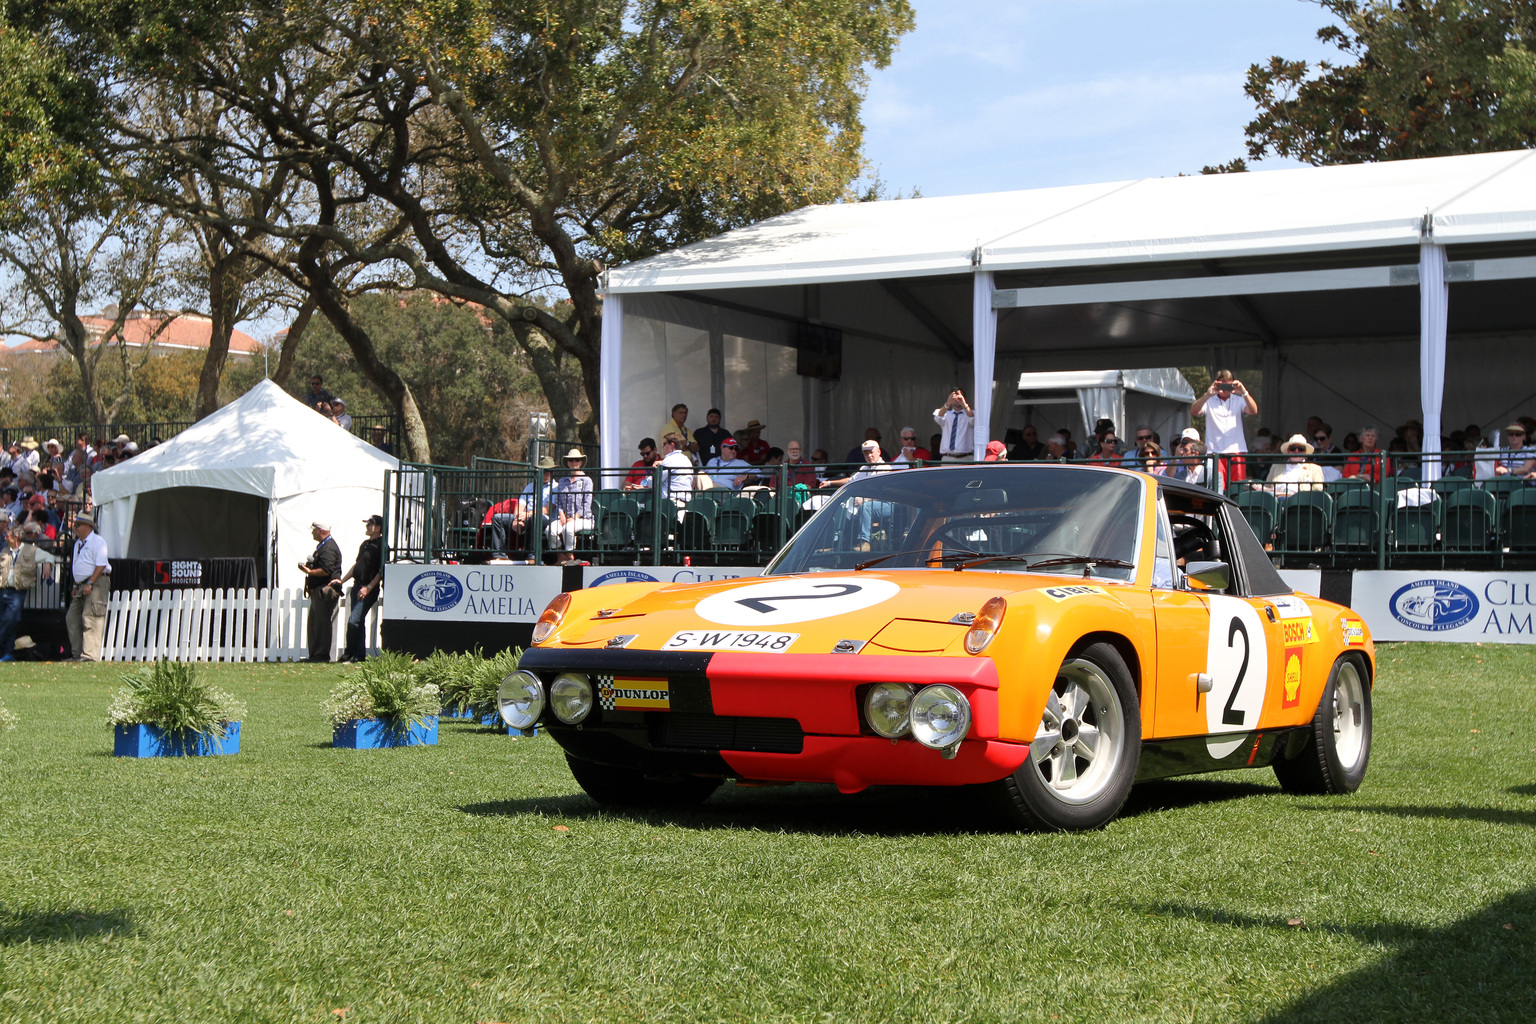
{"points": [[472, 881]]}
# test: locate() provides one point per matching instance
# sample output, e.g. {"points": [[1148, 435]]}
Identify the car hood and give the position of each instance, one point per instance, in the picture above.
{"points": [[910, 611]]}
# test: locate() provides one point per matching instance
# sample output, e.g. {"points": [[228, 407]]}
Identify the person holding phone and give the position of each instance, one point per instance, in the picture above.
{"points": [[1224, 405], [957, 428]]}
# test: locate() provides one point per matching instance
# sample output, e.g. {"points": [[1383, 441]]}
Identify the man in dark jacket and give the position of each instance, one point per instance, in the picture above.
{"points": [[323, 567], [366, 574]]}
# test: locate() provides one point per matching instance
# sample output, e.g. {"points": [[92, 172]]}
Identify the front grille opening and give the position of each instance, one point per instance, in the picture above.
{"points": [[725, 732]]}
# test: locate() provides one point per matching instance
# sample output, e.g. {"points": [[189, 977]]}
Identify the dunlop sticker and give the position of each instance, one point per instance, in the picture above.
{"points": [[1080, 590], [1292, 696], [1354, 632], [633, 693], [1297, 632]]}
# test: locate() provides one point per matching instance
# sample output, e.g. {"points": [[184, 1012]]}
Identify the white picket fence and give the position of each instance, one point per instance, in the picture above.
{"points": [[219, 625]]}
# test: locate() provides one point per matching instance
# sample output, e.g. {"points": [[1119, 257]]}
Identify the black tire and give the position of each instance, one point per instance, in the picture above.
{"points": [[624, 787], [1338, 745], [1059, 788]]}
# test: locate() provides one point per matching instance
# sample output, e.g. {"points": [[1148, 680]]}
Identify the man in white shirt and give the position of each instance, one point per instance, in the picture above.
{"points": [[676, 469], [86, 619], [728, 469], [957, 428], [339, 410], [1224, 405]]}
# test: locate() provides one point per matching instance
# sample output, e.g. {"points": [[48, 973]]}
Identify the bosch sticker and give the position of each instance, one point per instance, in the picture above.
{"points": [[1297, 632], [631, 693], [1080, 590], [1292, 696]]}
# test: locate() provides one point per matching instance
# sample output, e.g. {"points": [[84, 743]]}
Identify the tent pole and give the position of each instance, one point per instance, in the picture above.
{"points": [[983, 357], [611, 356], [1434, 304]]}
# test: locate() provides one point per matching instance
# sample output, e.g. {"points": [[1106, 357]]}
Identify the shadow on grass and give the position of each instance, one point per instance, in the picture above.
{"points": [[1490, 815], [1529, 789], [880, 810], [1471, 970], [21, 927]]}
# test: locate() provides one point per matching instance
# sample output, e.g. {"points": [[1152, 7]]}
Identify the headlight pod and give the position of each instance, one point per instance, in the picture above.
{"points": [[520, 700], [985, 626], [886, 709], [570, 697], [941, 716], [554, 614]]}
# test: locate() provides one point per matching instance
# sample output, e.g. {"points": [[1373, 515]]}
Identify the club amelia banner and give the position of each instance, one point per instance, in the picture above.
{"points": [[1453, 607], [469, 593], [602, 576]]}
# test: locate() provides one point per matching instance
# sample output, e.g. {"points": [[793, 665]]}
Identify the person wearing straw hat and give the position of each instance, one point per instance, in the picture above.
{"points": [[1295, 473], [570, 506], [91, 571]]}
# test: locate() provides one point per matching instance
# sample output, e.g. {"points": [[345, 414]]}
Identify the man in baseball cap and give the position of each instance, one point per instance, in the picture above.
{"points": [[729, 469], [367, 573]]}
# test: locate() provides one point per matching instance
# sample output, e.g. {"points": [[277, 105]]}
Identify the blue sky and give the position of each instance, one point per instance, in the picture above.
{"points": [[990, 95]]}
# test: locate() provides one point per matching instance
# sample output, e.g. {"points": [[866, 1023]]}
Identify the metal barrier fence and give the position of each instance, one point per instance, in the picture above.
{"points": [[1372, 511]]}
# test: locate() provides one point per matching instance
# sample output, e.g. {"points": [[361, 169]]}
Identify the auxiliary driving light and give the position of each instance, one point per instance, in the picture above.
{"points": [[941, 716], [570, 697], [886, 707], [520, 699], [554, 614], [985, 625]]}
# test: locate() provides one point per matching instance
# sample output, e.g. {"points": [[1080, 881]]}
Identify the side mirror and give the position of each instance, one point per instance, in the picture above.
{"points": [[1210, 575]]}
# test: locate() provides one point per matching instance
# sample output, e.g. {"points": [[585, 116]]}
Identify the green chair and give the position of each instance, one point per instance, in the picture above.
{"points": [[1470, 520], [765, 532], [704, 505], [1520, 520], [615, 530], [1449, 485], [1305, 519], [1262, 510], [1356, 521], [733, 530], [1416, 527]]}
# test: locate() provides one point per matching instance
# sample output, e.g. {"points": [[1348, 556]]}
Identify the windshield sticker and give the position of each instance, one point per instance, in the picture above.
{"points": [[1288, 607], [794, 600], [1080, 590]]}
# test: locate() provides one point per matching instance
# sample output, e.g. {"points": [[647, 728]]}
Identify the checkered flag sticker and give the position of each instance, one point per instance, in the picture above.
{"points": [[605, 698]]}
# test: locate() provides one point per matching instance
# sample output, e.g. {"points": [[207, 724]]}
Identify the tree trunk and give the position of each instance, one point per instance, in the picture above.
{"points": [[289, 351], [224, 287], [332, 303]]}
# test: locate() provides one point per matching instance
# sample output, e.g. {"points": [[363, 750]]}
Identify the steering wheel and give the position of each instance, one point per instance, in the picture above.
{"points": [[1190, 537]]}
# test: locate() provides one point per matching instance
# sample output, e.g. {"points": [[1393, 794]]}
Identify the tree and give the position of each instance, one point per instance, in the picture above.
{"points": [[1423, 78], [520, 146]]}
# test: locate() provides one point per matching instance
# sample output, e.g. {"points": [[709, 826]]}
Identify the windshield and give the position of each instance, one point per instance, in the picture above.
{"points": [[1057, 519]]}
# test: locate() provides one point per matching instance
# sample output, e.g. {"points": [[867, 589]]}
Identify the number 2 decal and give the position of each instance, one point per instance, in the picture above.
{"points": [[1237, 660], [765, 604], [1229, 714]]}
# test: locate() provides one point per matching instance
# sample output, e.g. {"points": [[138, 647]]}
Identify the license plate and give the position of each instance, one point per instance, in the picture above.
{"points": [[730, 640]]}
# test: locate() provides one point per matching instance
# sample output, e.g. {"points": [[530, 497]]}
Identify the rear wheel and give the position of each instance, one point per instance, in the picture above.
{"points": [[622, 787], [1338, 745], [1083, 759]]}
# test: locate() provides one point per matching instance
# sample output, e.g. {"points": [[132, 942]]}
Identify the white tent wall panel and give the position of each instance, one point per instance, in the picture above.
{"points": [[218, 625], [886, 386]]}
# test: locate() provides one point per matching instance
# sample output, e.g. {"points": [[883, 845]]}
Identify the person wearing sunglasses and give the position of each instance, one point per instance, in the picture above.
{"points": [[1295, 474], [1520, 461], [639, 476]]}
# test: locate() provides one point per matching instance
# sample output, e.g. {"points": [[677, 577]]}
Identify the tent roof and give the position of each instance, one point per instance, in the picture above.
{"points": [[266, 443], [1164, 382], [1485, 197]]}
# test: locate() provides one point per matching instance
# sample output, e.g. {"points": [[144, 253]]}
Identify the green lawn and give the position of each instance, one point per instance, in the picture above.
{"points": [[472, 882]]}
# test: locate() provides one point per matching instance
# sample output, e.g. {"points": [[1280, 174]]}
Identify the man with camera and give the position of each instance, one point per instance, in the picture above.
{"points": [[1224, 405], [957, 428]]}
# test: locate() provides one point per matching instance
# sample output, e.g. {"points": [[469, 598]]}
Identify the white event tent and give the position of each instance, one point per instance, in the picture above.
{"points": [[246, 481], [1366, 293]]}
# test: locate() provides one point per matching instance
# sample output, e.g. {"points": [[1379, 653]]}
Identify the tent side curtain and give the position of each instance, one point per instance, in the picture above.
{"points": [[114, 521], [1101, 404]]}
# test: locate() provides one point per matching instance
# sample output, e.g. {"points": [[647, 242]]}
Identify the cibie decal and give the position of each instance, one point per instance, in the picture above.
{"points": [[1433, 605], [1237, 659], [623, 576], [1298, 632], [434, 591], [630, 693], [797, 599], [1354, 632], [1292, 695], [1079, 590]]}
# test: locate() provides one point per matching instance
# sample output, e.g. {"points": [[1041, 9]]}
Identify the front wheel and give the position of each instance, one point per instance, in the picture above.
{"points": [[621, 787], [1083, 759], [1338, 745]]}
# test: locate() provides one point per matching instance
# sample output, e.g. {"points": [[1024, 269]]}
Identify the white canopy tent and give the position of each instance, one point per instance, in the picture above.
{"points": [[1156, 398], [1335, 282], [245, 482]]}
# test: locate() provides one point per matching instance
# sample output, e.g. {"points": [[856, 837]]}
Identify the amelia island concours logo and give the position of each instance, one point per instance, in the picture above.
{"points": [[1434, 605], [624, 576], [435, 591]]}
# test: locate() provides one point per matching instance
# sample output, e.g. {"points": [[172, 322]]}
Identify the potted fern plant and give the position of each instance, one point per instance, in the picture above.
{"points": [[485, 676], [451, 674], [169, 710], [383, 704]]}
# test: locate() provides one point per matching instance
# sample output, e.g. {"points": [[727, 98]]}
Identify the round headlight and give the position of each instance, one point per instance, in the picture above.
{"points": [[886, 706], [570, 697], [941, 716], [520, 699]]}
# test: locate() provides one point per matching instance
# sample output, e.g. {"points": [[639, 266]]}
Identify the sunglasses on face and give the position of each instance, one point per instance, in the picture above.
{"points": [[1321, 438], [1296, 450], [1143, 437], [1110, 440], [647, 451], [1517, 433]]}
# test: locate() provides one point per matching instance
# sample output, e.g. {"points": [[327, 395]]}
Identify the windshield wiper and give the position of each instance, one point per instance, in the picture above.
{"points": [[944, 557], [1087, 561]]}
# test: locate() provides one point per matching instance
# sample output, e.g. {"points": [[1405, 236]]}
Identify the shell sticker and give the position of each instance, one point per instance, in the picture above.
{"points": [[1292, 696]]}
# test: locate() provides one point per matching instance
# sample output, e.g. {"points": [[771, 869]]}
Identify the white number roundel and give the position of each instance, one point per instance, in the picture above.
{"points": [[801, 599], [1237, 658]]}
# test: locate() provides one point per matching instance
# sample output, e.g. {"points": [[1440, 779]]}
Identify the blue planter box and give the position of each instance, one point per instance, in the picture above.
{"points": [[493, 719], [373, 733], [152, 741], [459, 714]]}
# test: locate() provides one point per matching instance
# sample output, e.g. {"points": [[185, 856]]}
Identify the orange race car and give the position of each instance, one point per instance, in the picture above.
{"points": [[1053, 633]]}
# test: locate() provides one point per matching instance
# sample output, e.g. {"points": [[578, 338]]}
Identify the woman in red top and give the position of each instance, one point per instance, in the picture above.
{"points": [[1370, 462]]}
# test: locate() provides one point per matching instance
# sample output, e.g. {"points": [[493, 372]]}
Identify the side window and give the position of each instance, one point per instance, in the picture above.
{"points": [[1165, 574]]}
